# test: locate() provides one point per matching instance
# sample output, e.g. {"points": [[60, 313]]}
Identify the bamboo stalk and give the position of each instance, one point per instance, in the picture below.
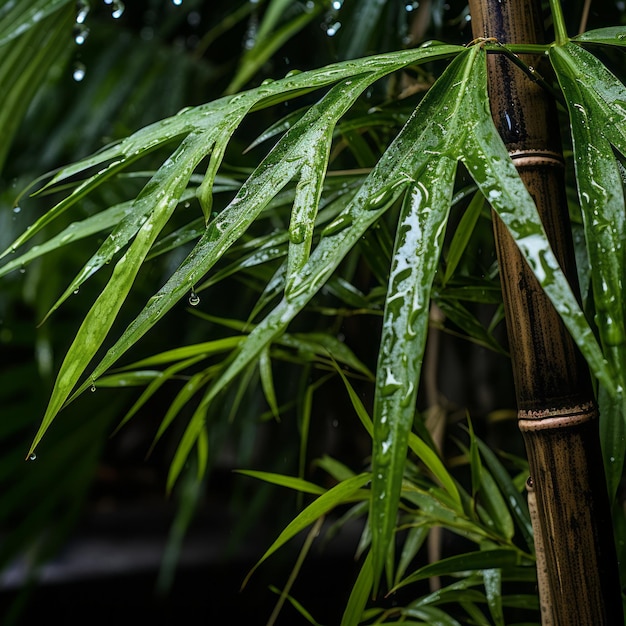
{"points": [[556, 409]]}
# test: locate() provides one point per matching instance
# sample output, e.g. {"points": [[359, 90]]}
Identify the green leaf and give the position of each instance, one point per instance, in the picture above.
{"points": [[493, 589], [19, 17], [162, 197], [359, 595], [598, 119], [267, 382], [405, 327], [495, 506], [517, 502], [415, 259], [32, 40], [488, 162], [269, 38], [285, 481], [463, 563], [99, 222], [474, 458], [462, 235], [341, 493], [613, 35]]}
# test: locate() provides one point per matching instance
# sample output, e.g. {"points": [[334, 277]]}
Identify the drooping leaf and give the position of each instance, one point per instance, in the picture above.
{"points": [[339, 494], [168, 185], [487, 160], [598, 120], [468, 561]]}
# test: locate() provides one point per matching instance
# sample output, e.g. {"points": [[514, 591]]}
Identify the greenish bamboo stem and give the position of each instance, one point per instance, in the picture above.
{"points": [[545, 600], [556, 409]]}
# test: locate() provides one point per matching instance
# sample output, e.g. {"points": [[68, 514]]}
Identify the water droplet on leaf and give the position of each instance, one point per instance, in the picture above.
{"points": [[32, 457], [194, 299]]}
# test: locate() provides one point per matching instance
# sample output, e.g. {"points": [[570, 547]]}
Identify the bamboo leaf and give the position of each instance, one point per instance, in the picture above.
{"points": [[493, 589], [488, 162], [598, 119], [462, 235], [269, 38], [343, 492], [32, 40], [414, 263], [467, 562], [495, 506], [267, 382], [99, 222], [613, 35], [516, 501], [298, 484], [359, 595], [101, 316], [19, 17]]}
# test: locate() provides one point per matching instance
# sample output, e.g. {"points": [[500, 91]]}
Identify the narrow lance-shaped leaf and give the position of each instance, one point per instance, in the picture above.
{"points": [[173, 177], [19, 17], [405, 325], [99, 222], [127, 227], [279, 167], [488, 162], [598, 118], [381, 188], [306, 202], [341, 493]]}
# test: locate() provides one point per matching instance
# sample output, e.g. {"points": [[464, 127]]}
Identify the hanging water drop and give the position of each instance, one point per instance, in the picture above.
{"points": [[117, 9], [79, 72], [337, 4], [331, 30], [16, 209], [194, 298], [32, 457], [82, 11], [80, 34], [92, 388], [177, 2]]}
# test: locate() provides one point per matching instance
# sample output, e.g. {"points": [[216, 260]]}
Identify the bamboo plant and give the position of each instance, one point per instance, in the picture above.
{"points": [[298, 220]]}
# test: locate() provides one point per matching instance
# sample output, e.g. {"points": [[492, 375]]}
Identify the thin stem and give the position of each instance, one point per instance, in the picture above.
{"points": [[560, 31], [584, 17]]}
